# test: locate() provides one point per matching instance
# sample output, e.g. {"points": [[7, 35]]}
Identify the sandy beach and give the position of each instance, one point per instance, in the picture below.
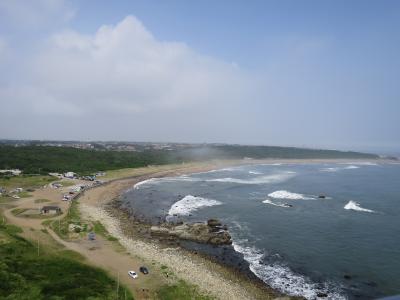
{"points": [[212, 279]]}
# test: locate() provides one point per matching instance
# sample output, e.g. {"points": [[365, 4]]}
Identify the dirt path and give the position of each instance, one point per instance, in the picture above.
{"points": [[100, 253], [133, 253]]}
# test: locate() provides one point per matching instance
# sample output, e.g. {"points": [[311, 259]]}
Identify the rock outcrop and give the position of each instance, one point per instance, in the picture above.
{"points": [[211, 232]]}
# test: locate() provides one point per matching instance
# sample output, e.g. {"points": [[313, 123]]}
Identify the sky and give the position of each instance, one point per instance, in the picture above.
{"points": [[321, 74]]}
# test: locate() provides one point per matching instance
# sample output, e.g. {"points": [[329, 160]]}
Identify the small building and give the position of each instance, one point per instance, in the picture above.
{"points": [[69, 175], [14, 172], [49, 209]]}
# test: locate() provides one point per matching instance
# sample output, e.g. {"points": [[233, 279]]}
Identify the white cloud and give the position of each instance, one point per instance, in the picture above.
{"points": [[125, 69]]}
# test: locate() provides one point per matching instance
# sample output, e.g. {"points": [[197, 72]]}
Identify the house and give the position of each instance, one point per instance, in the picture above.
{"points": [[14, 172], [48, 209], [69, 175]]}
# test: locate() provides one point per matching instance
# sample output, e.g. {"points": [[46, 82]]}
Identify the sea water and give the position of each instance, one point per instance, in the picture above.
{"points": [[329, 231]]}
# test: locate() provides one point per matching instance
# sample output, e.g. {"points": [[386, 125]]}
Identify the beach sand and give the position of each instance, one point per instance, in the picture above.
{"points": [[212, 278]]}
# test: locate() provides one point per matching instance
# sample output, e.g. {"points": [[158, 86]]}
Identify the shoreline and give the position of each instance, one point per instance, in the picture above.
{"points": [[211, 277], [232, 282]]}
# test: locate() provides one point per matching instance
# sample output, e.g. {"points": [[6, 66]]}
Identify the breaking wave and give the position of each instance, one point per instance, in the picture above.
{"points": [[267, 201], [275, 178], [189, 204], [255, 173], [290, 196], [145, 182], [336, 169], [282, 278], [352, 205], [164, 179]]}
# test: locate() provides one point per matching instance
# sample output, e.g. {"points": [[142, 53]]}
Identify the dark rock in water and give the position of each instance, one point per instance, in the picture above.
{"points": [[322, 295], [321, 196], [197, 232], [347, 276], [213, 222], [371, 283]]}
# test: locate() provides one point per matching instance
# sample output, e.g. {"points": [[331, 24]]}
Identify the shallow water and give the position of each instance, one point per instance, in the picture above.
{"points": [[346, 245]]}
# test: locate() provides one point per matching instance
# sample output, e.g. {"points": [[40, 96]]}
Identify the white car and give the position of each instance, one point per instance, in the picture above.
{"points": [[132, 274]]}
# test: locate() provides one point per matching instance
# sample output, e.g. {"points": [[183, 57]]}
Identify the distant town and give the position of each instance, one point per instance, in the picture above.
{"points": [[105, 145]]}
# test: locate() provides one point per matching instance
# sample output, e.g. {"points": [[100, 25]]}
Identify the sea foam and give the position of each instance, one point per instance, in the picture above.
{"points": [[282, 278], [274, 178], [352, 205], [267, 201], [290, 196], [255, 172], [189, 204], [145, 182], [153, 181]]}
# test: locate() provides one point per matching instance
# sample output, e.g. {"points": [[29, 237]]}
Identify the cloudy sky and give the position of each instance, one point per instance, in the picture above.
{"points": [[304, 73]]}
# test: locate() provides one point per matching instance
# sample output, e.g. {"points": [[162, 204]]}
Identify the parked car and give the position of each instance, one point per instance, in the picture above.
{"points": [[144, 270], [132, 274]]}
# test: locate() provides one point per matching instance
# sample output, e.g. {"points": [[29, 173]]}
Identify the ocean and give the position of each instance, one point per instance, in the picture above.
{"points": [[328, 231]]}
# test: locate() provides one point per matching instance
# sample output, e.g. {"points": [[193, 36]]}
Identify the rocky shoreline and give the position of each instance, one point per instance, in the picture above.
{"points": [[210, 232], [222, 254]]}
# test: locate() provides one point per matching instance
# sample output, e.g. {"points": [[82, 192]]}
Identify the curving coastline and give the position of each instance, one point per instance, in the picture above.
{"points": [[230, 284], [211, 277]]}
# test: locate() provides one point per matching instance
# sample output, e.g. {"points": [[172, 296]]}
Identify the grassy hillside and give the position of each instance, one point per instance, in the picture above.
{"points": [[52, 276], [41, 160]]}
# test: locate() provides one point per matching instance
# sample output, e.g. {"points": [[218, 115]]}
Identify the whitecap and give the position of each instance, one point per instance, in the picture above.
{"points": [[189, 204], [255, 173], [267, 201], [275, 178], [361, 163], [145, 182], [352, 167], [335, 169], [330, 169], [291, 196], [282, 278], [153, 181], [352, 205]]}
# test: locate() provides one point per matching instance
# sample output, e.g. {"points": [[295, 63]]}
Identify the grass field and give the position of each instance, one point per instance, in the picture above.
{"points": [[25, 181], [181, 290], [54, 275]]}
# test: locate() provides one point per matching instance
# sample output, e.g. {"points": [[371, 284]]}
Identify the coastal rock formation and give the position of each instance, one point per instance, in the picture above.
{"points": [[211, 232]]}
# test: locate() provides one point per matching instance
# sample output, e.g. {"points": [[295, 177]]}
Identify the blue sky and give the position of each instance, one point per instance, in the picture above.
{"points": [[304, 73]]}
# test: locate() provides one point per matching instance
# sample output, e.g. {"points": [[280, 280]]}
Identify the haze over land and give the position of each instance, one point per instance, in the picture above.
{"points": [[299, 73]]}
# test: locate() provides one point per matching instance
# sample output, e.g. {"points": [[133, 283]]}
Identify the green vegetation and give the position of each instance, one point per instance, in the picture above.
{"points": [[17, 211], [24, 195], [25, 275], [42, 160], [98, 228], [24, 181], [181, 290], [72, 217], [31, 213]]}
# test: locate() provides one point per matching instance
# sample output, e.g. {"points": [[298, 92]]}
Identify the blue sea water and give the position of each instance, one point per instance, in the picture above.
{"points": [[346, 245]]}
